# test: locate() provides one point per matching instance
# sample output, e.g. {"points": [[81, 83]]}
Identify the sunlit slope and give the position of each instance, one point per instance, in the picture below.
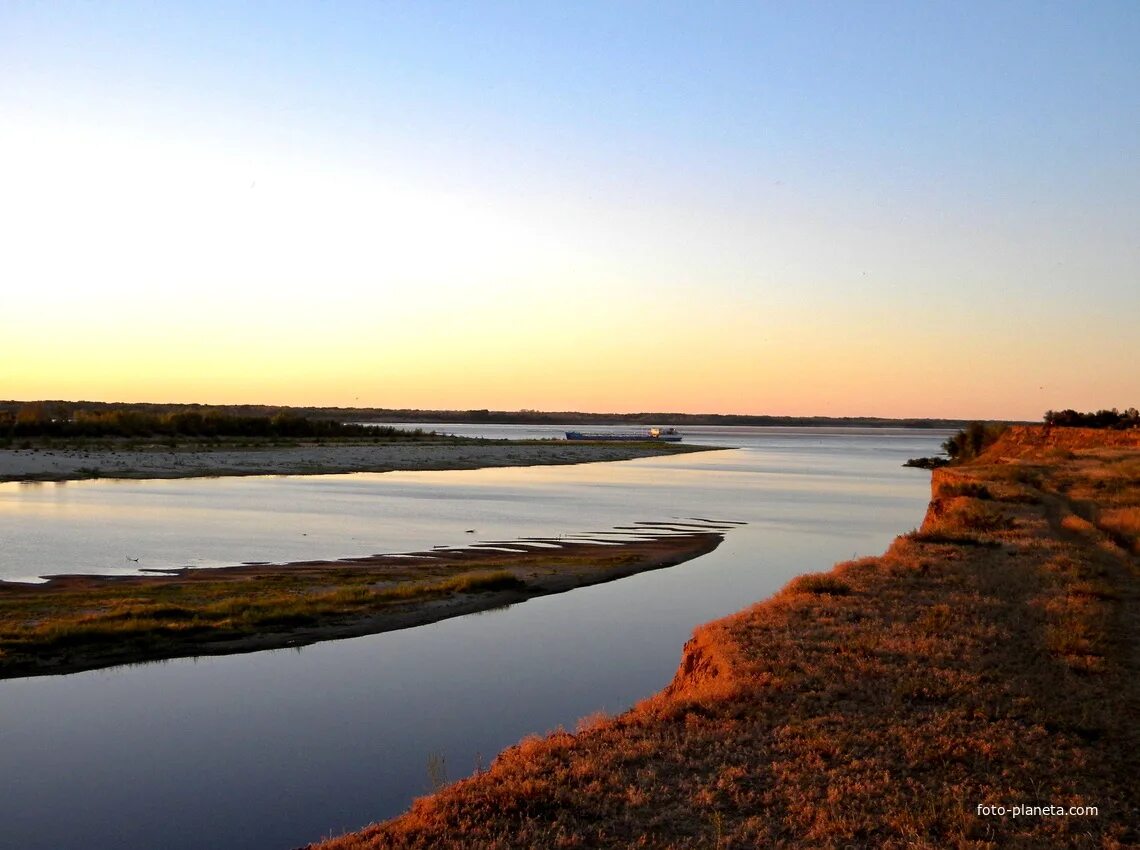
{"points": [[986, 659]]}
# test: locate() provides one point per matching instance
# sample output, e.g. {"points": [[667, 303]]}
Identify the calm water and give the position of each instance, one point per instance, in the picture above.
{"points": [[273, 749]]}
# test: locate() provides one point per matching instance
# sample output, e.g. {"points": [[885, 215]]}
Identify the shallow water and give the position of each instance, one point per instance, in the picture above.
{"points": [[110, 526], [274, 749]]}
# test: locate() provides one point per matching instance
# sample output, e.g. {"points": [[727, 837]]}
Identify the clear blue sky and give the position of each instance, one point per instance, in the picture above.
{"points": [[843, 208]]}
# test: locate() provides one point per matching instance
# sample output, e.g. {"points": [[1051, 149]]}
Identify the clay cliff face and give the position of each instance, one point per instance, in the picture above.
{"points": [[1019, 441]]}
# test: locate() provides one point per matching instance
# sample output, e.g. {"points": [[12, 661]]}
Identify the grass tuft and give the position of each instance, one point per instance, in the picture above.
{"points": [[820, 583]]}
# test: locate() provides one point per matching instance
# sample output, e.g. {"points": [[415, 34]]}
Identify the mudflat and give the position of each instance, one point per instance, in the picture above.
{"points": [[60, 464]]}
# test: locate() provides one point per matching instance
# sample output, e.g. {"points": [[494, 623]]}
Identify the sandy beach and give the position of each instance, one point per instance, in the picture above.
{"points": [[60, 464]]}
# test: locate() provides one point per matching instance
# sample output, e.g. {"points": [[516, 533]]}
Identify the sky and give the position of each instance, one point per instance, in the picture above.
{"points": [[803, 208]]}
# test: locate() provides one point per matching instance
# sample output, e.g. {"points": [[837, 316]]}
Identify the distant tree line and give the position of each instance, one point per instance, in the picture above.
{"points": [[576, 417], [37, 419], [67, 409], [1117, 419]]}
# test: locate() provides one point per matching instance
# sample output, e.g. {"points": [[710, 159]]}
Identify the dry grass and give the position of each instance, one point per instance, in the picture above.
{"points": [[819, 583], [875, 707], [1124, 523]]}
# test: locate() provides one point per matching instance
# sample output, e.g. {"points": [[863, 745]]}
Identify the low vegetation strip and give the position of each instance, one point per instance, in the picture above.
{"points": [[41, 420], [988, 659], [73, 623]]}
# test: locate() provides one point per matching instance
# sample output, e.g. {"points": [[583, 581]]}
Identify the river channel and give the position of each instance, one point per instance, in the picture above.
{"points": [[274, 749]]}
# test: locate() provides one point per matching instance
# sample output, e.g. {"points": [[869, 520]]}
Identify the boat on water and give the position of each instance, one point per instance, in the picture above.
{"points": [[664, 435]]}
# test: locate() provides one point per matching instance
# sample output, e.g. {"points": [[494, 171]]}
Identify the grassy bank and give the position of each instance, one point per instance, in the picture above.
{"points": [[74, 623], [988, 658]]}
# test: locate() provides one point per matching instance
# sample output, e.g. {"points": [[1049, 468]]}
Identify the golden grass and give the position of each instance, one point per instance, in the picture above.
{"points": [[1124, 522], [944, 675], [819, 583]]}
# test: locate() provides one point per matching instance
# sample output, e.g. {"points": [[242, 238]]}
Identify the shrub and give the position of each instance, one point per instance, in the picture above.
{"points": [[972, 440]]}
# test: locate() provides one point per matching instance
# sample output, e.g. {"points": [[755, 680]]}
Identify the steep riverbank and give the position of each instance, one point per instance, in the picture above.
{"points": [[98, 461], [987, 659]]}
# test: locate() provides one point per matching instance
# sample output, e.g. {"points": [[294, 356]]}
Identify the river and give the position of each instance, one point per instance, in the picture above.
{"points": [[273, 749]]}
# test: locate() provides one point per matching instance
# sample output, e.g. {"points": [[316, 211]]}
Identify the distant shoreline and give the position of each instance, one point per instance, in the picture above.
{"points": [[87, 462], [415, 416]]}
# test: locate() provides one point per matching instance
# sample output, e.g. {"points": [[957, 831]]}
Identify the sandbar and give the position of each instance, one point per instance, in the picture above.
{"points": [[63, 464], [83, 622]]}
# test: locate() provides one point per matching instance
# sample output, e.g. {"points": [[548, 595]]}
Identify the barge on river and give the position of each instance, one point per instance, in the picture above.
{"points": [[664, 435]]}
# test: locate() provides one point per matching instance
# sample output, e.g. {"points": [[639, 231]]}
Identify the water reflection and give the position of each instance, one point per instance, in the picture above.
{"points": [[277, 748]]}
